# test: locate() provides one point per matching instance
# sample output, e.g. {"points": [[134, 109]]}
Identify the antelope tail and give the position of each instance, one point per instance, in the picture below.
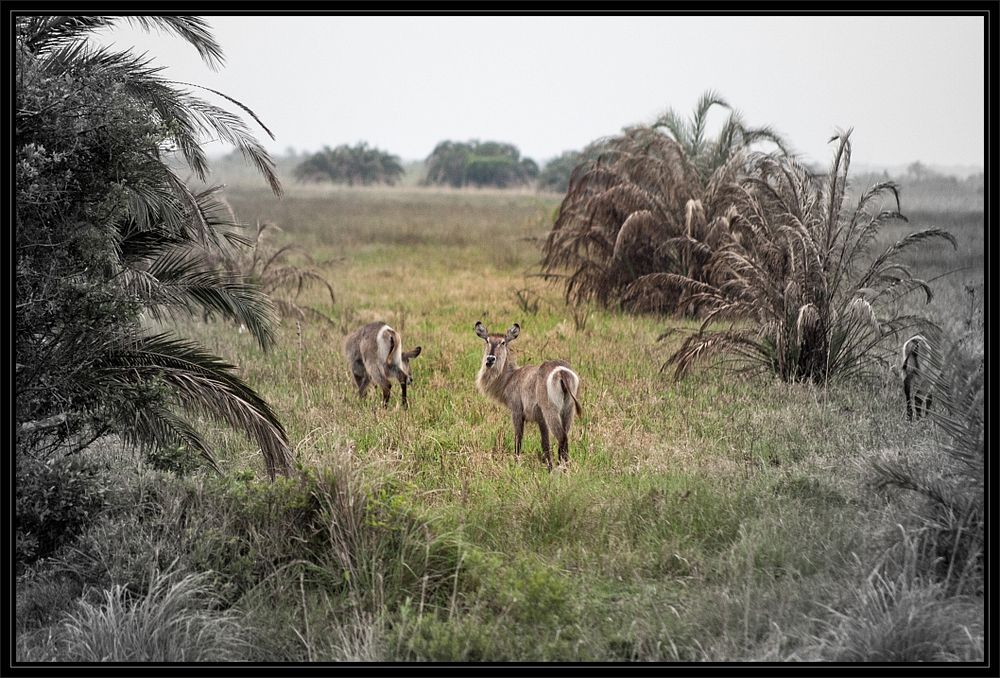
{"points": [[569, 391]]}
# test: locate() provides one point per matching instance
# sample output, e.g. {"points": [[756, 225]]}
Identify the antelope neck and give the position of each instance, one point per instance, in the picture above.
{"points": [[495, 386]]}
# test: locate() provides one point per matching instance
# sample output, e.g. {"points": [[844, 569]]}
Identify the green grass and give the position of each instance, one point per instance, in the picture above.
{"points": [[717, 518]]}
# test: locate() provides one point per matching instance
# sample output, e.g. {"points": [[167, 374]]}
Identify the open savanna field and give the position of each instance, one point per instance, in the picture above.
{"points": [[716, 518]]}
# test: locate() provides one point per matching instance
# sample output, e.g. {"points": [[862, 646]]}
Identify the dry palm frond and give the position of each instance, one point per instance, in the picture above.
{"points": [[789, 266], [793, 293], [917, 238], [861, 311], [649, 202], [699, 347], [807, 323], [639, 228]]}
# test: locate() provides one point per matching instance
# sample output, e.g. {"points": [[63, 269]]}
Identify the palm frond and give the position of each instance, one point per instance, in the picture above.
{"points": [[700, 347], [156, 426], [187, 280], [231, 128], [204, 383], [192, 29], [43, 33]]}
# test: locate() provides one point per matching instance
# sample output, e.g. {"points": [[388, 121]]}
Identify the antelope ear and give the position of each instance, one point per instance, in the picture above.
{"points": [[481, 331], [513, 332], [410, 355]]}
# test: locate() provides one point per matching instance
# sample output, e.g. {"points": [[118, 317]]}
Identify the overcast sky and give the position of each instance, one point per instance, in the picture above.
{"points": [[912, 87]]}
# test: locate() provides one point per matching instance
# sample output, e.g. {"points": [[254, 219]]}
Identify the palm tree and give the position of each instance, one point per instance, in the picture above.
{"points": [[806, 297], [708, 155], [654, 202], [95, 131]]}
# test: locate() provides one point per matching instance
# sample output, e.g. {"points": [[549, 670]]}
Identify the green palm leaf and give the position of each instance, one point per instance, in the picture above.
{"points": [[186, 280], [203, 383]]}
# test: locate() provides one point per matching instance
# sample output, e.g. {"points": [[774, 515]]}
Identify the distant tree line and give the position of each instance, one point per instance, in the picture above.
{"points": [[351, 165], [489, 163], [557, 172], [451, 163], [476, 163]]}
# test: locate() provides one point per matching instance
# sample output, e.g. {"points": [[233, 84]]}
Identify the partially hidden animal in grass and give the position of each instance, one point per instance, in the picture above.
{"points": [[375, 355], [916, 369], [545, 394]]}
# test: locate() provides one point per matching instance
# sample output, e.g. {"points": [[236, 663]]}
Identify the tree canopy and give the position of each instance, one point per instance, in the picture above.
{"points": [[476, 163], [557, 171], [359, 164]]}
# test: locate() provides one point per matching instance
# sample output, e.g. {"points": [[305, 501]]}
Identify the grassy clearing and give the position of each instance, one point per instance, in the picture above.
{"points": [[712, 519]]}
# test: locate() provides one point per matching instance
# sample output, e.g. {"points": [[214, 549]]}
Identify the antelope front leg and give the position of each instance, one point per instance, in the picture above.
{"points": [[386, 390], [405, 405], [546, 450]]}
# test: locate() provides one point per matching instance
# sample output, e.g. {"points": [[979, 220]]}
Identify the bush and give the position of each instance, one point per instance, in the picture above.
{"points": [[55, 500], [351, 165], [476, 163]]}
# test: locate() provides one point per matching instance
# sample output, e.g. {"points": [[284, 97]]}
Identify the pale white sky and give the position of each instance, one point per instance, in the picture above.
{"points": [[912, 87]]}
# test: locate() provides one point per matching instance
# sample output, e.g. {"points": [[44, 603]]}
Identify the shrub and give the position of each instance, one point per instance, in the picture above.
{"points": [[273, 271], [55, 499]]}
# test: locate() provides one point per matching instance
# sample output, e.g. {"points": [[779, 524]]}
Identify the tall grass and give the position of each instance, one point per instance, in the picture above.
{"points": [[174, 621], [946, 480], [903, 619]]}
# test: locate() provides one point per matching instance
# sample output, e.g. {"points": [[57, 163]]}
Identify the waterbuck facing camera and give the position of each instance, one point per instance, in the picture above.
{"points": [[545, 394], [375, 355]]}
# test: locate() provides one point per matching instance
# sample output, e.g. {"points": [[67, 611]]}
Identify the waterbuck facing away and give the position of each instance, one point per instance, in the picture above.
{"points": [[545, 394], [917, 375], [375, 354]]}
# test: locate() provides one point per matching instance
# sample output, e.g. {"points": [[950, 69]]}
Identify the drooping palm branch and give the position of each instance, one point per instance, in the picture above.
{"points": [[197, 381], [800, 272]]}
